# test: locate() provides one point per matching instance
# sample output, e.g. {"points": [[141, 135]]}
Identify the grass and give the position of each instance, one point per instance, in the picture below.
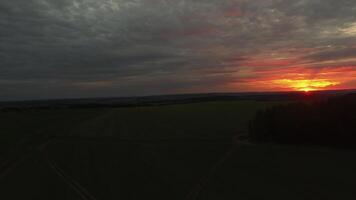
{"points": [[284, 172], [114, 171], [169, 170], [211, 119], [17, 125]]}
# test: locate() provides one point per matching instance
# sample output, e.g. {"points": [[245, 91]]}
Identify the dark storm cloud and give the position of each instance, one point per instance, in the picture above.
{"points": [[53, 48]]}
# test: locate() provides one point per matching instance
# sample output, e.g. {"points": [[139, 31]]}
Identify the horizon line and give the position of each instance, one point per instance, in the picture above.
{"points": [[175, 94]]}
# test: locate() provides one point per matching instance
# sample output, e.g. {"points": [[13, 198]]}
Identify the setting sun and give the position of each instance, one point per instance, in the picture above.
{"points": [[307, 90], [306, 85]]}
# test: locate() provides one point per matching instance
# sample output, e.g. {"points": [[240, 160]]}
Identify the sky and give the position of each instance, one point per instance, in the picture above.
{"points": [[106, 48]]}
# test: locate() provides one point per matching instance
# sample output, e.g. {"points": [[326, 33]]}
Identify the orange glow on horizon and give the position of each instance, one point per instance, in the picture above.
{"points": [[279, 77], [306, 85]]}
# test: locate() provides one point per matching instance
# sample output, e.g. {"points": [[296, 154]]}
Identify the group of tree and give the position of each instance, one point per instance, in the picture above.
{"points": [[330, 122]]}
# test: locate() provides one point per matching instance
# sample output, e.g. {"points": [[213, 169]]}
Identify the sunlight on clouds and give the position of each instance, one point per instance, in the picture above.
{"points": [[306, 85], [139, 47], [350, 30]]}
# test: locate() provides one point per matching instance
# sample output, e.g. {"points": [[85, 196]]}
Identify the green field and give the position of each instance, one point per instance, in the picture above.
{"points": [[177, 168], [211, 119], [111, 170], [284, 172]]}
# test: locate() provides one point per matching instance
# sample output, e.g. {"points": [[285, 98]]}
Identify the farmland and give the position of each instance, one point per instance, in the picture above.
{"points": [[181, 151], [211, 119]]}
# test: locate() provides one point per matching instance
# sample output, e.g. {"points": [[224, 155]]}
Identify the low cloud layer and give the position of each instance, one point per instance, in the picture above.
{"points": [[87, 48]]}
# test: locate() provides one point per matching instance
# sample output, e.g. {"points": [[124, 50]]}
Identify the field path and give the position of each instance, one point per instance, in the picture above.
{"points": [[22, 150], [204, 181], [71, 182]]}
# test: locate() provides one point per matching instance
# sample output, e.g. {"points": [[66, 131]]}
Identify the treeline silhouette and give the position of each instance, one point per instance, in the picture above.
{"points": [[331, 122]]}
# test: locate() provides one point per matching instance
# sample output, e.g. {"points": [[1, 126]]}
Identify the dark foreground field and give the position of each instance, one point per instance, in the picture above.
{"points": [[186, 151], [196, 120]]}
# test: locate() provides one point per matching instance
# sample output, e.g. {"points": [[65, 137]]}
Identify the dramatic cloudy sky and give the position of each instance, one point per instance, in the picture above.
{"points": [[86, 48]]}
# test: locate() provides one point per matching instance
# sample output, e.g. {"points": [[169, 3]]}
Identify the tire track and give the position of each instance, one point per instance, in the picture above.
{"points": [[22, 151], [70, 181], [204, 181]]}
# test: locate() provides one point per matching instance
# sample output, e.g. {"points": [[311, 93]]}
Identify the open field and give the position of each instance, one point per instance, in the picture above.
{"points": [[284, 172], [182, 151], [111, 170], [211, 119]]}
